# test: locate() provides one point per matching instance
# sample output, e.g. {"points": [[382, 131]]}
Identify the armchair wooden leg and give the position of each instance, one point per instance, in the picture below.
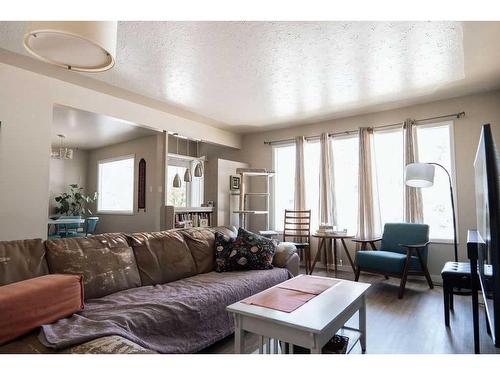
{"points": [[424, 268], [356, 275], [404, 276]]}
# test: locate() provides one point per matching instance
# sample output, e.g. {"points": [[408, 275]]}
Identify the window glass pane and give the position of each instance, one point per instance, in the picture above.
{"points": [[116, 185], [176, 197], [311, 168], [345, 168], [388, 155], [434, 146], [284, 181]]}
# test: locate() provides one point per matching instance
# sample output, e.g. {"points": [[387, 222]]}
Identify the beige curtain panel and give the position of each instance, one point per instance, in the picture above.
{"points": [[413, 196], [368, 220], [300, 182], [327, 213]]}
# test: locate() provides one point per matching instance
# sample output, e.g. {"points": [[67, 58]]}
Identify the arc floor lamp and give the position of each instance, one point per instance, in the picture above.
{"points": [[421, 175]]}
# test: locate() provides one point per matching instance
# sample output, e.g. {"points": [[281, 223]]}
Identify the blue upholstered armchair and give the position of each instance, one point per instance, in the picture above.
{"points": [[403, 252]]}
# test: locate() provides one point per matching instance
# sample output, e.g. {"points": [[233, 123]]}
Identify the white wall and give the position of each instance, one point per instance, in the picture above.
{"points": [[479, 109], [66, 172], [26, 105]]}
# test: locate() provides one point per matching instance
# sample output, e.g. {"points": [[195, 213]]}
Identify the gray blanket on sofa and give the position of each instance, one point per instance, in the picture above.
{"points": [[184, 316]]}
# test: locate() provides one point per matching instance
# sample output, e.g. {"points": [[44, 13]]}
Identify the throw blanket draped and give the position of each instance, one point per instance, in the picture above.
{"points": [[183, 316]]}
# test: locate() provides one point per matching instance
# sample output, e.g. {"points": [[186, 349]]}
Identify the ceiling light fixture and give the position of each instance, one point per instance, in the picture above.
{"points": [[177, 179], [198, 170], [85, 46], [63, 153], [187, 173]]}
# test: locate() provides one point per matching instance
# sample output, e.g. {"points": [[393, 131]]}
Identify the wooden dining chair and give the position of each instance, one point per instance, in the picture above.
{"points": [[297, 229]]}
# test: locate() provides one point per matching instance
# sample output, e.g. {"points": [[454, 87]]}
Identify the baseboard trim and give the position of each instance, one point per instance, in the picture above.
{"points": [[436, 279]]}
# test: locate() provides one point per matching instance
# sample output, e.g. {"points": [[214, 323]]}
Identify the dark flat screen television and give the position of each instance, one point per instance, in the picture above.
{"points": [[486, 167]]}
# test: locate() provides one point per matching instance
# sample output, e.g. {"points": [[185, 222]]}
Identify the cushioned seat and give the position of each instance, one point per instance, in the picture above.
{"points": [[387, 261]]}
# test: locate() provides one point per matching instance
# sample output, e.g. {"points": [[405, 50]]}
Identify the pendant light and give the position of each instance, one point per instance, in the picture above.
{"points": [[84, 46], [198, 170], [63, 153], [177, 179], [187, 174]]}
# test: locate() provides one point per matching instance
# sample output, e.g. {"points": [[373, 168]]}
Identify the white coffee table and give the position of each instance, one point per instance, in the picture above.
{"points": [[312, 325]]}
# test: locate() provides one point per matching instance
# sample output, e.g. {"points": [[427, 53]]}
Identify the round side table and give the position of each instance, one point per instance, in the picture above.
{"points": [[323, 240]]}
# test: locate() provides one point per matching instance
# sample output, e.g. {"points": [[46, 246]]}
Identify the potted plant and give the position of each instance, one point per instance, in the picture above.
{"points": [[74, 202]]}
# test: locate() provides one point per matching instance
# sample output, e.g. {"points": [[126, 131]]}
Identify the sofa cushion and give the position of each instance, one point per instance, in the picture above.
{"points": [[248, 251], [201, 242], [162, 257], [106, 261], [21, 260], [28, 304]]}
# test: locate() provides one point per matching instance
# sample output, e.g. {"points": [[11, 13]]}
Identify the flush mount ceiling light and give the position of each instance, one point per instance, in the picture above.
{"points": [[85, 46]]}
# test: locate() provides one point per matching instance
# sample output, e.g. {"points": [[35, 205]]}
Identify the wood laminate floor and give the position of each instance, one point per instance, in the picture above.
{"points": [[413, 325]]}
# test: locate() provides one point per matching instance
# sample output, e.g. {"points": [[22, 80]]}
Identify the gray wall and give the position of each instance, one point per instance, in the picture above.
{"points": [[149, 220], [65, 172]]}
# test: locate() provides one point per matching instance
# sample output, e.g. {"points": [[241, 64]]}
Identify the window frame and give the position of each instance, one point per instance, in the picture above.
{"points": [[451, 126], [272, 200], [109, 160]]}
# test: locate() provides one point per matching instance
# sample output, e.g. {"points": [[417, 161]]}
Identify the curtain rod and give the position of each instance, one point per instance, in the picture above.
{"points": [[313, 137]]}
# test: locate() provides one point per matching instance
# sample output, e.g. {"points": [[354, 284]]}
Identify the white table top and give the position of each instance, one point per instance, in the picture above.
{"points": [[314, 315], [66, 221]]}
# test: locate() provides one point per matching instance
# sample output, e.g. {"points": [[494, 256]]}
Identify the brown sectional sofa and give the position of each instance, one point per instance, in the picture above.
{"points": [[144, 292]]}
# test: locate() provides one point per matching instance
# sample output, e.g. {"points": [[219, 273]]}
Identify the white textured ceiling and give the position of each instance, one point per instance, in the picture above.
{"points": [[87, 130], [254, 75]]}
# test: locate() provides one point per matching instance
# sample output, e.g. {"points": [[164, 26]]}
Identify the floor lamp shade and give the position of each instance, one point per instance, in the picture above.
{"points": [[86, 46], [419, 175]]}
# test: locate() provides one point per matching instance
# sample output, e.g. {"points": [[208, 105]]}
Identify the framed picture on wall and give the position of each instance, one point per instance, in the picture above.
{"points": [[234, 182]]}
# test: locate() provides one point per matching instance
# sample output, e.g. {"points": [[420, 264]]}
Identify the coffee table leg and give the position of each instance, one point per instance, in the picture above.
{"points": [[239, 335], [317, 348], [362, 325]]}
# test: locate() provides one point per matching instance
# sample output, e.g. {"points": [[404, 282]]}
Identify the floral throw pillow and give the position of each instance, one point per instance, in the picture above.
{"points": [[248, 251]]}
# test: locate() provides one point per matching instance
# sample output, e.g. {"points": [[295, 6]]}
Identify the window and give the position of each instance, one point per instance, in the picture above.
{"points": [[190, 194], [312, 151], [435, 146], [283, 182], [389, 167], [116, 185], [345, 172]]}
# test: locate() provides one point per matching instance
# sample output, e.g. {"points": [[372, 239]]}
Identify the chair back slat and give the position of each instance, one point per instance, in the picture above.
{"points": [[297, 225]]}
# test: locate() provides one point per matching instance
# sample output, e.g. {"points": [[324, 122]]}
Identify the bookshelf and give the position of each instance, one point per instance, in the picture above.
{"points": [[188, 217]]}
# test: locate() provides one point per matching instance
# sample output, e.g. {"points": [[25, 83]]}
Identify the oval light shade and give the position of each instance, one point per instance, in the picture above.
{"points": [[419, 175], [177, 181], [85, 46], [198, 170], [187, 175]]}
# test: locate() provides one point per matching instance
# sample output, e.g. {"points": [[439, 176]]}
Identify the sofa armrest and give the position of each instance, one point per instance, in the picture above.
{"points": [[286, 257]]}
